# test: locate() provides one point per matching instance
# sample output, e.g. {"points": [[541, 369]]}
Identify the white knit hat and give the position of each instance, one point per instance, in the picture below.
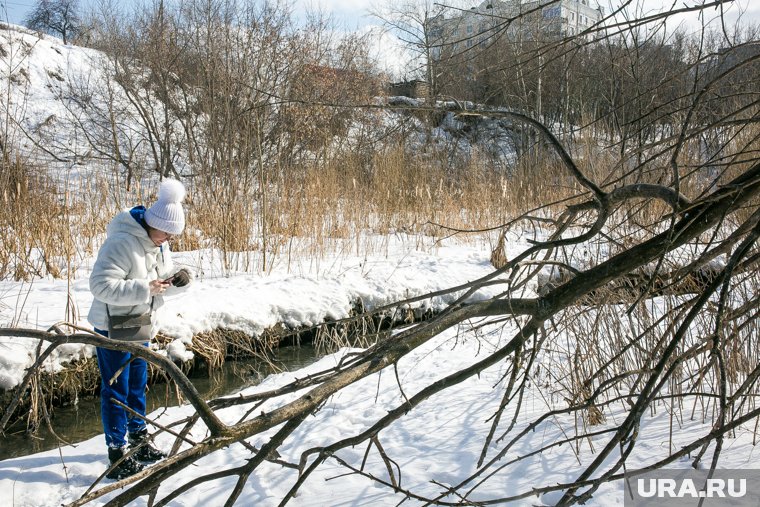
{"points": [[167, 214]]}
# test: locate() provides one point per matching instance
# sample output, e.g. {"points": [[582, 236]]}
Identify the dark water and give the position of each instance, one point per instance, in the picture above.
{"points": [[82, 421]]}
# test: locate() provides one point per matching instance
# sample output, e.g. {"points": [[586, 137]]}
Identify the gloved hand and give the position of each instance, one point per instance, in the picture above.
{"points": [[181, 278]]}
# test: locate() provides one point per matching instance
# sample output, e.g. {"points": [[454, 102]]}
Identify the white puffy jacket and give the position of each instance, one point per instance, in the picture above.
{"points": [[126, 263]]}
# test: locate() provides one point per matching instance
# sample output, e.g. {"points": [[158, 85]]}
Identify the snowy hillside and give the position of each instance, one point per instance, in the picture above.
{"points": [[42, 73], [60, 96]]}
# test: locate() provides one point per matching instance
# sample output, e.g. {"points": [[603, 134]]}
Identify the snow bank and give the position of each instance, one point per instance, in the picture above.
{"points": [[247, 303]]}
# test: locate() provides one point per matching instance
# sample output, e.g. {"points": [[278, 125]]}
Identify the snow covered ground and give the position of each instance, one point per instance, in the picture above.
{"points": [[435, 445], [245, 302]]}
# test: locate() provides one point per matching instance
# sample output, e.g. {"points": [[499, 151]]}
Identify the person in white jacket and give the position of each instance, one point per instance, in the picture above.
{"points": [[132, 272]]}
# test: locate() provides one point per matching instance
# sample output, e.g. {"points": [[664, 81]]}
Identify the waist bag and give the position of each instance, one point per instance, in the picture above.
{"points": [[130, 328]]}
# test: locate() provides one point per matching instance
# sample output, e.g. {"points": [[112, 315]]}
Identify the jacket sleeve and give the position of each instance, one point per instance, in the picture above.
{"points": [[109, 282], [165, 264]]}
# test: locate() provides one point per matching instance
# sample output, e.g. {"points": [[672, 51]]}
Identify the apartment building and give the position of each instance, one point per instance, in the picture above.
{"points": [[537, 19]]}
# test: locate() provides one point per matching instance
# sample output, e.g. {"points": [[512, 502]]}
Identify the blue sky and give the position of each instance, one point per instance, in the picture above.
{"points": [[15, 10], [348, 13]]}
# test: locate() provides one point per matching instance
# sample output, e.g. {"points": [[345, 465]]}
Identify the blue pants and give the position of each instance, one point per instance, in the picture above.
{"points": [[128, 388]]}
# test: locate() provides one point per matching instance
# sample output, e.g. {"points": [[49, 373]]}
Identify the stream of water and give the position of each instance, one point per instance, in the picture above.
{"points": [[81, 422]]}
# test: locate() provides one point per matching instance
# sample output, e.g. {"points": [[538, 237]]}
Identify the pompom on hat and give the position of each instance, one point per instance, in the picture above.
{"points": [[166, 214]]}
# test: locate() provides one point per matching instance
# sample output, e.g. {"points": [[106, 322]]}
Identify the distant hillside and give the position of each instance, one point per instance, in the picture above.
{"points": [[63, 107]]}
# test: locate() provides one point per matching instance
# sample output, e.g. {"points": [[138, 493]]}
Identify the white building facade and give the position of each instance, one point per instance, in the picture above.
{"points": [[540, 19]]}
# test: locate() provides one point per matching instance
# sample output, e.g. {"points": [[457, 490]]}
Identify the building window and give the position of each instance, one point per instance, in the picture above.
{"points": [[469, 29]]}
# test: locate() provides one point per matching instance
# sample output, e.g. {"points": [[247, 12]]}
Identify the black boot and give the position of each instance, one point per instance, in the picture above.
{"points": [[145, 451], [127, 467]]}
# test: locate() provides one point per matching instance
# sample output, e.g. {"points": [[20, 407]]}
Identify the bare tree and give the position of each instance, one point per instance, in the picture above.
{"points": [[56, 17], [414, 23]]}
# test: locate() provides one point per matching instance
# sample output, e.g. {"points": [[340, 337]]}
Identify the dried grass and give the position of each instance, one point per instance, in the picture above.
{"points": [[77, 379]]}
